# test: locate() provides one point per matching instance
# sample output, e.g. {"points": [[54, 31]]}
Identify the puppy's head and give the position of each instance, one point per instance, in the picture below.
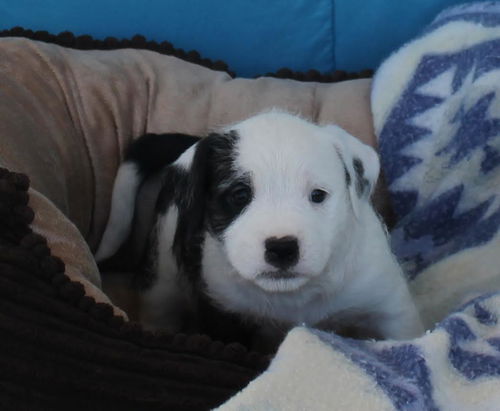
{"points": [[277, 195]]}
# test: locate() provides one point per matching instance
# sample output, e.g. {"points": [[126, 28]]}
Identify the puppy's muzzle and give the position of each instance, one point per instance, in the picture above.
{"points": [[282, 252]]}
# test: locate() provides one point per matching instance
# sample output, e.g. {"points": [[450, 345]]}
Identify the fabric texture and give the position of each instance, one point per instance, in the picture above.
{"points": [[436, 111]]}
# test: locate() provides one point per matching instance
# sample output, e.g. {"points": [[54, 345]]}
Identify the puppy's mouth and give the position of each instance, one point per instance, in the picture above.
{"points": [[280, 281]]}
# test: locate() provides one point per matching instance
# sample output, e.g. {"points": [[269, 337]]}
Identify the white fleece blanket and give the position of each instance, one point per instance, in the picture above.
{"points": [[436, 106]]}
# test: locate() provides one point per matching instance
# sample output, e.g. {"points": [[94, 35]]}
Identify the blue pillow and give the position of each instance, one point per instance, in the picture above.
{"points": [[367, 31], [253, 37]]}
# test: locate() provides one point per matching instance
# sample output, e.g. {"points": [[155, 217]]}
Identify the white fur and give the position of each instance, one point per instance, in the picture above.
{"points": [[345, 264], [163, 303], [122, 211], [345, 261]]}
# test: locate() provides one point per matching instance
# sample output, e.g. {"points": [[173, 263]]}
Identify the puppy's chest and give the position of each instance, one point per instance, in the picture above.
{"points": [[236, 295], [207, 286]]}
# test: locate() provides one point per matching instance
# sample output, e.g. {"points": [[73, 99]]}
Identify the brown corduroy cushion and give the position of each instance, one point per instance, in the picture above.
{"points": [[62, 350]]}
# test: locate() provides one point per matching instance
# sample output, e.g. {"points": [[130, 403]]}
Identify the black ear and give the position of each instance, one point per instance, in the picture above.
{"points": [[210, 164], [191, 200], [151, 152]]}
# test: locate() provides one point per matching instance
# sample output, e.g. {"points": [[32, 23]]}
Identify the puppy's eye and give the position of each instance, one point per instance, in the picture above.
{"points": [[318, 196], [240, 196]]}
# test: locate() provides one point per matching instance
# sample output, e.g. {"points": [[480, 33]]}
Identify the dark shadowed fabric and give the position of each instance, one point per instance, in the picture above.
{"points": [[62, 350]]}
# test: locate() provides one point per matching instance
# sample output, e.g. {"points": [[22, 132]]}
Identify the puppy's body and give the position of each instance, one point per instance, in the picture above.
{"points": [[272, 220]]}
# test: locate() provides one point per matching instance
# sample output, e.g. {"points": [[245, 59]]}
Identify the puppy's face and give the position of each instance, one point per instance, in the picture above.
{"points": [[281, 195]]}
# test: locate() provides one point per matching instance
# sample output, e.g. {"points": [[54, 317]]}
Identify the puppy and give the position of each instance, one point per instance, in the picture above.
{"points": [[270, 219]]}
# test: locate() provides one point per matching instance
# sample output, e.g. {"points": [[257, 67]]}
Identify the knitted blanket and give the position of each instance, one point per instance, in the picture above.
{"points": [[436, 111]]}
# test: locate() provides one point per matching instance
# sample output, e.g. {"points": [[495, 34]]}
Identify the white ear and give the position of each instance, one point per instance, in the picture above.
{"points": [[361, 162]]}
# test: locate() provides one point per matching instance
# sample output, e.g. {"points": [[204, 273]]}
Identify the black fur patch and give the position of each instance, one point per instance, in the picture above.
{"points": [[152, 152], [347, 175], [174, 180], [361, 181], [200, 197], [346, 172], [200, 194], [223, 181]]}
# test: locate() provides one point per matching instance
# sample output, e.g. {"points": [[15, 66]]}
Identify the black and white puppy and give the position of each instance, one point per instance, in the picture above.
{"points": [[271, 218]]}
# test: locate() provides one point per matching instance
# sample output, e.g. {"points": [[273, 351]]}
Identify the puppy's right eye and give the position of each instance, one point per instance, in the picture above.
{"points": [[240, 196], [318, 196]]}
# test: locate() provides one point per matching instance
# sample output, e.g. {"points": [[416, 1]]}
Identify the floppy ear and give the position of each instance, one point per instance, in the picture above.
{"points": [[209, 160], [191, 202], [362, 165]]}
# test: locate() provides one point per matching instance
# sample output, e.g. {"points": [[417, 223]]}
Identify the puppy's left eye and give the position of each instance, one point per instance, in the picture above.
{"points": [[240, 196], [318, 196]]}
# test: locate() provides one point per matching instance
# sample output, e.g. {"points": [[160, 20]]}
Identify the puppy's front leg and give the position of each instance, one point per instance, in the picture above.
{"points": [[400, 319]]}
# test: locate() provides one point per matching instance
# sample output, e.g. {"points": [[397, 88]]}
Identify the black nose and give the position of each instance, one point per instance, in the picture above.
{"points": [[282, 252]]}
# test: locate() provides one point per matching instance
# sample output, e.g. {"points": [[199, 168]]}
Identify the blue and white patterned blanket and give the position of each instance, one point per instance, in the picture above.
{"points": [[436, 107]]}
